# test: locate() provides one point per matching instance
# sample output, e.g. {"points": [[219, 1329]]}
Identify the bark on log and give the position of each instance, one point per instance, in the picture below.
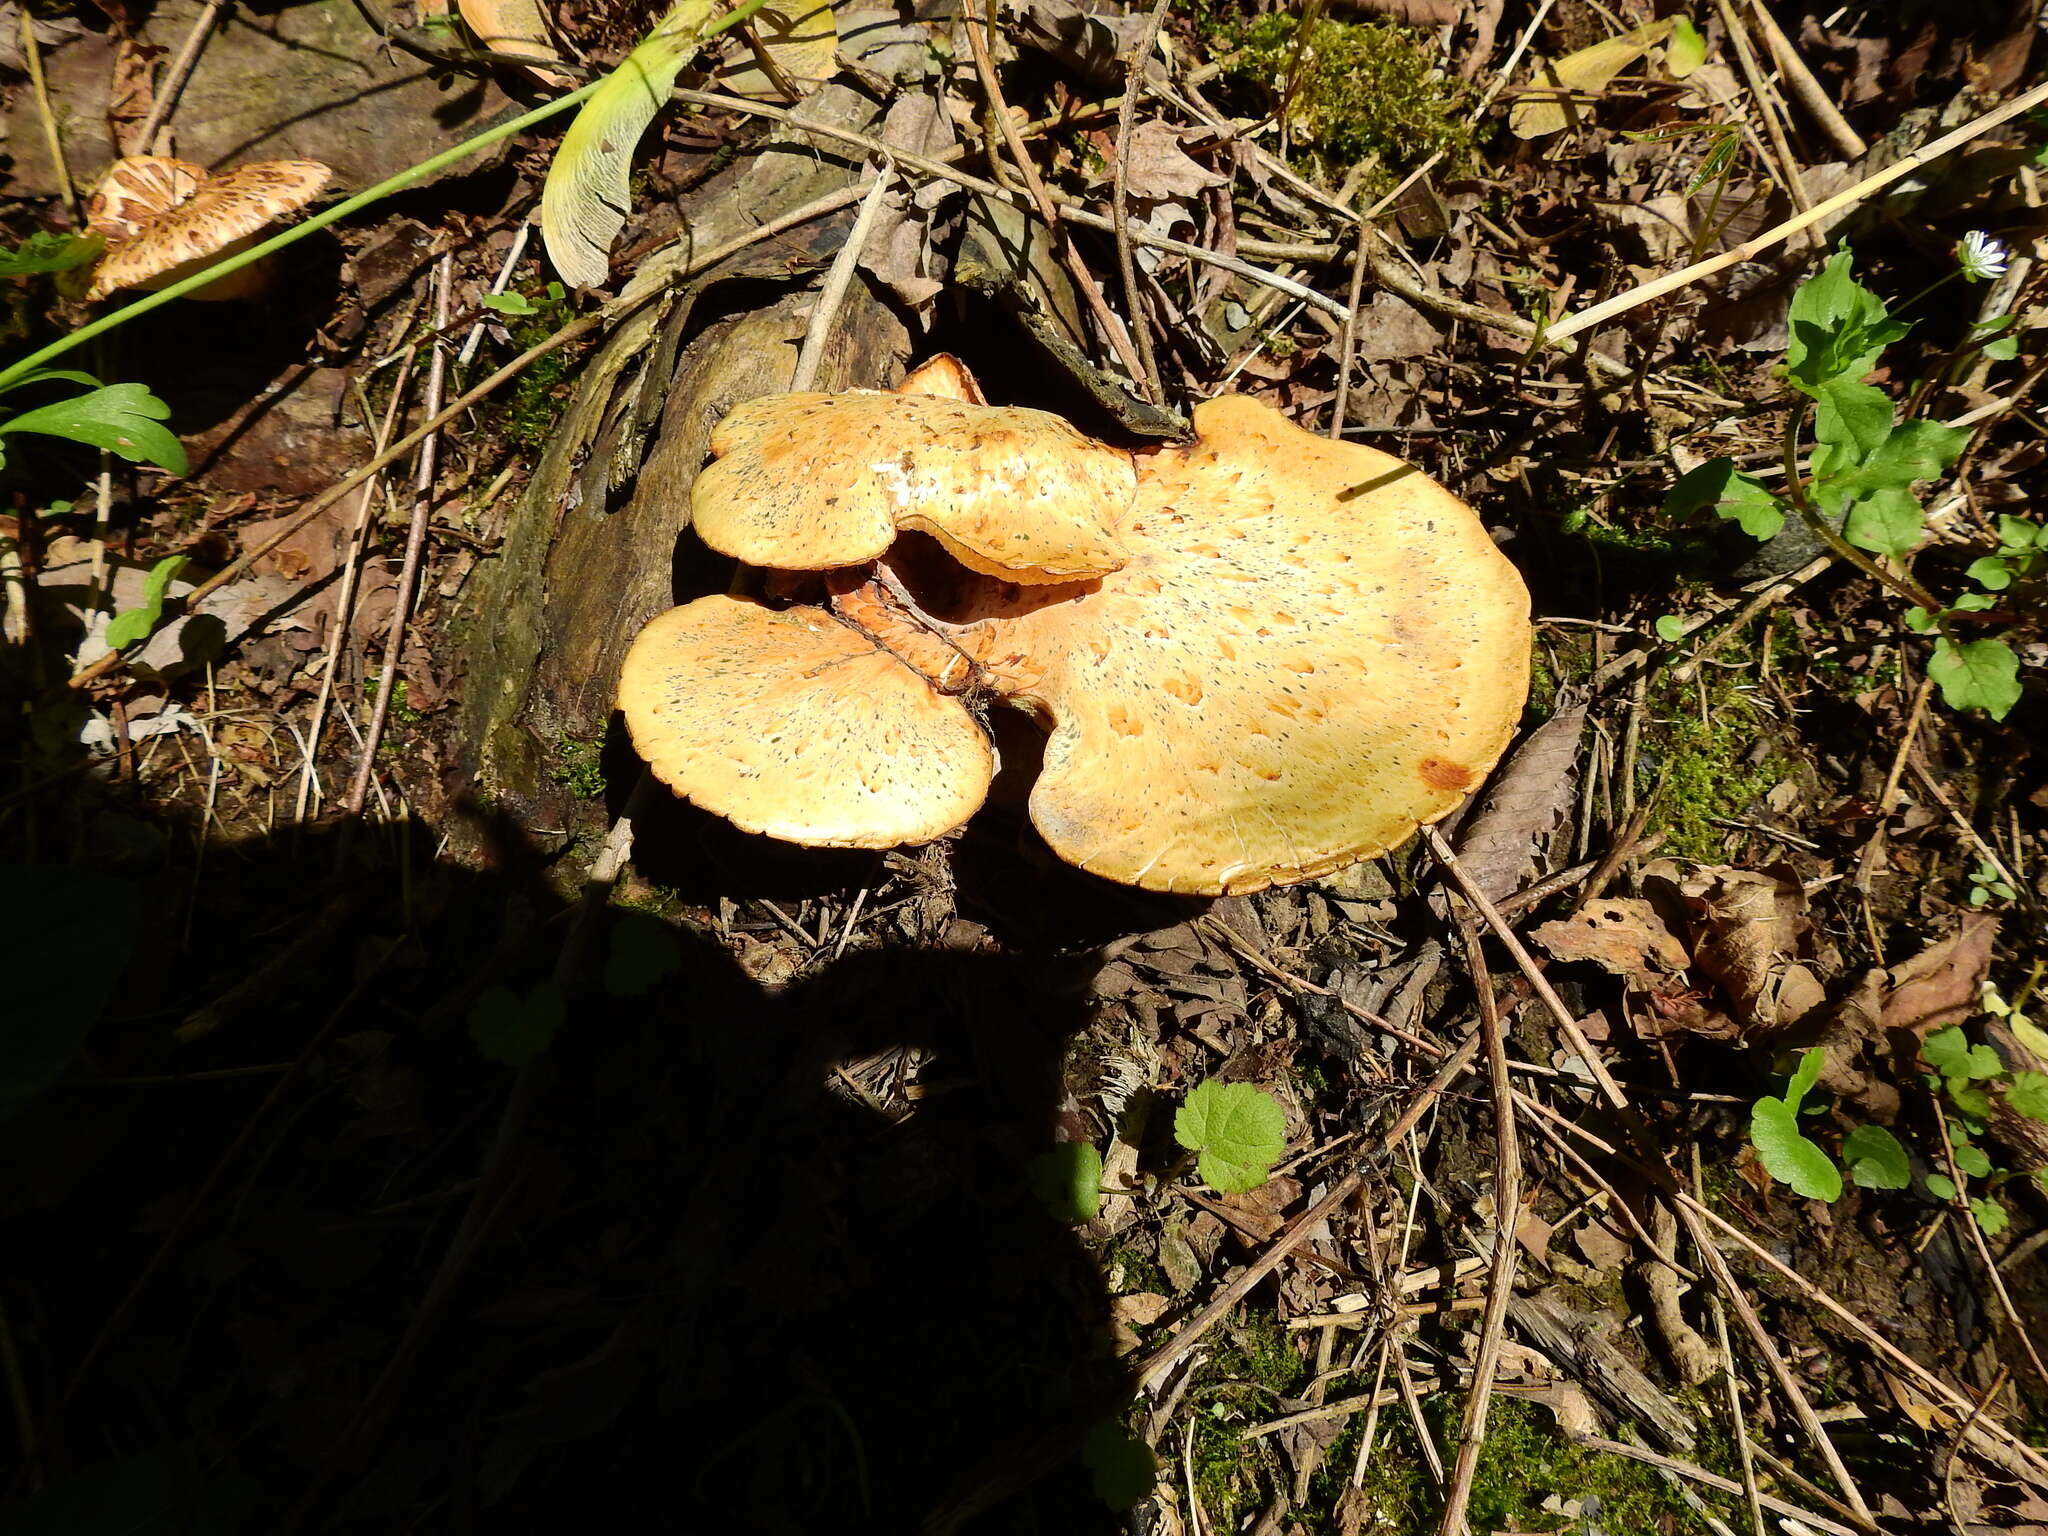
{"points": [[547, 622]]}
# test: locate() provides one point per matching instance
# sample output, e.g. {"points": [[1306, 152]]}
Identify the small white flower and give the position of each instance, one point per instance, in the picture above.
{"points": [[1981, 257]]}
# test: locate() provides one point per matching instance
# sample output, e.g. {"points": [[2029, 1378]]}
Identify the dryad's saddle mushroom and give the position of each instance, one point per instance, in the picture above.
{"points": [[1289, 654], [164, 218]]}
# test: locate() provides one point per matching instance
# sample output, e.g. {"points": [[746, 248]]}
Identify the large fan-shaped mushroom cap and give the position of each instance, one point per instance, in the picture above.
{"points": [[792, 724], [164, 218], [817, 482], [1314, 650]]}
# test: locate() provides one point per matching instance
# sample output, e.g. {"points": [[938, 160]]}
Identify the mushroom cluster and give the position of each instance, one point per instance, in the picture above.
{"points": [[1258, 657]]}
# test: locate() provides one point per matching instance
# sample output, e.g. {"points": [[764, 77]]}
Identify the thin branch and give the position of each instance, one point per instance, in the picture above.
{"points": [[1120, 199]]}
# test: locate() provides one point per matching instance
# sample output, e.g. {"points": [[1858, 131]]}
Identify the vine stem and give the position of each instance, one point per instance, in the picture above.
{"points": [[1795, 487]]}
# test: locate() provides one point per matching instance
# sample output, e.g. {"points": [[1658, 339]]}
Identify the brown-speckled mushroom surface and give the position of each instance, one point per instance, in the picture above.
{"points": [[795, 725], [1313, 650], [818, 482], [164, 218]]}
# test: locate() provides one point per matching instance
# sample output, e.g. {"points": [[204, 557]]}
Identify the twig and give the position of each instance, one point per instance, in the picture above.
{"points": [[344, 606], [1803, 85], [415, 546], [1888, 798], [1787, 164], [1347, 346], [576, 329], [1566, 1023], [1738, 1428], [1745, 615], [1507, 1207], [505, 269], [1119, 205], [837, 281], [1976, 839], [1048, 210], [1507, 70], [1656, 288], [1960, 1211], [32, 55], [173, 82]]}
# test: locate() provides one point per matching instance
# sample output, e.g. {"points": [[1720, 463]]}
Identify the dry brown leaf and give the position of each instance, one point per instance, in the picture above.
{"points": [[132, 93], [1157, 168], [1941, 985], [790, 47], [1581, 75], [1523, 804], [1750, 934], [1623, 935], [517, 27]]}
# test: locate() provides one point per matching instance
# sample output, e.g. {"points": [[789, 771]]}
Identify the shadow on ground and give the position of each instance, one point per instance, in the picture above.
{"points": [[721, 1286]]}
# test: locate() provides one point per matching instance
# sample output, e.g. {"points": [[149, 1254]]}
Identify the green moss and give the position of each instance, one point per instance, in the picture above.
{"points": [[577, 767], [1346, 90], [536, 397], [1524, 1463], [1702, 761]]}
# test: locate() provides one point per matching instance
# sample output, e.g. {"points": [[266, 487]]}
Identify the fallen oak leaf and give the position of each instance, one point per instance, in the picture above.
{"points": [[1620, 934]]}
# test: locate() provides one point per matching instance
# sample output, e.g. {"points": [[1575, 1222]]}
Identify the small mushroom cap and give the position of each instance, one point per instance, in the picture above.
{"points": [[791, 724], [1314, 650], [816, 482], [162, 217]]}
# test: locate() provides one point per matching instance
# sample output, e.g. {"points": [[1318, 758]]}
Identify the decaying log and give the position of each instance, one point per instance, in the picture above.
{"points": [[591, 551]]}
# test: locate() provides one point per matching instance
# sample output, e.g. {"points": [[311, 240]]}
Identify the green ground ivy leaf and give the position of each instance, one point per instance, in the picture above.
{"points": [[1976, 674], [1239, 1130], [1991, 1216], [1123, 1468], [1069, 1180], [1732, 494], [1939, 1186], [513, 1029], [139, 622], [1971, 1160], [1670, 628], [642, 952], [1950, 1053], [1876, 1159], [121, 418], [2027, 1094]]}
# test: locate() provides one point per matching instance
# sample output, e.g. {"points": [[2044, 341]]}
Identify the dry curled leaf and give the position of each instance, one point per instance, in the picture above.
{"points": [[1751, 934], [1623, 935], [1940, 986]]}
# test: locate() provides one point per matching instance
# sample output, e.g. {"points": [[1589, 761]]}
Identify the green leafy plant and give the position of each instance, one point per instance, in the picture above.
{"points": [[514, 1028], [49, 251], [1237, 1130], [2022, 548], [137, 623], [554, 300], [1122, 1467], [1788, 1155], [121, 418], [1987, 885], [1856, 490], [1972, 1077], [1068, 1179], [1876, 1158]]}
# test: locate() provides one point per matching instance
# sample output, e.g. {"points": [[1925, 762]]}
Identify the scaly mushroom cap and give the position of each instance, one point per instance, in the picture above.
{"points": [[163, 217], [1314, 650], [792, 724], [817, 482]]}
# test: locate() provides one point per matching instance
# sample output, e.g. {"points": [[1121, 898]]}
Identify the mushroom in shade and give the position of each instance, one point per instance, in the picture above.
{"points": [[1306, 651], [817, 482], [164, 219]]}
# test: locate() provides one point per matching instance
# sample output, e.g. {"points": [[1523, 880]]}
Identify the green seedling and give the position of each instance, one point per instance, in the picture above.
{"points": [[139, 622], [1987, 885], [515, 1029], [1068, 1179], [1857, 488], [1239, 1132], [1123, 1468], [1788, 1155], [48, 251], [2022, 549]]}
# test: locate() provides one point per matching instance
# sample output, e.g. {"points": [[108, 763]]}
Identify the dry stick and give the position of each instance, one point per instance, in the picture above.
{"points": [[1515, 53], [1084, 280], [1706, 1479], [1975, 838], [1889, 797], [1960, 1210], [344, 607], [1154, 1365], [415, 547], [476, 332], [812, 356], [32, 54], [1120, 200], [1507, 1205], [1781, 146], [1788, 1387], [1744, 616], [175, 77], [1805, 87], [1567, 1024], [1347, 347], [1737, 1424], [573, 331], [1656, 288]]}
